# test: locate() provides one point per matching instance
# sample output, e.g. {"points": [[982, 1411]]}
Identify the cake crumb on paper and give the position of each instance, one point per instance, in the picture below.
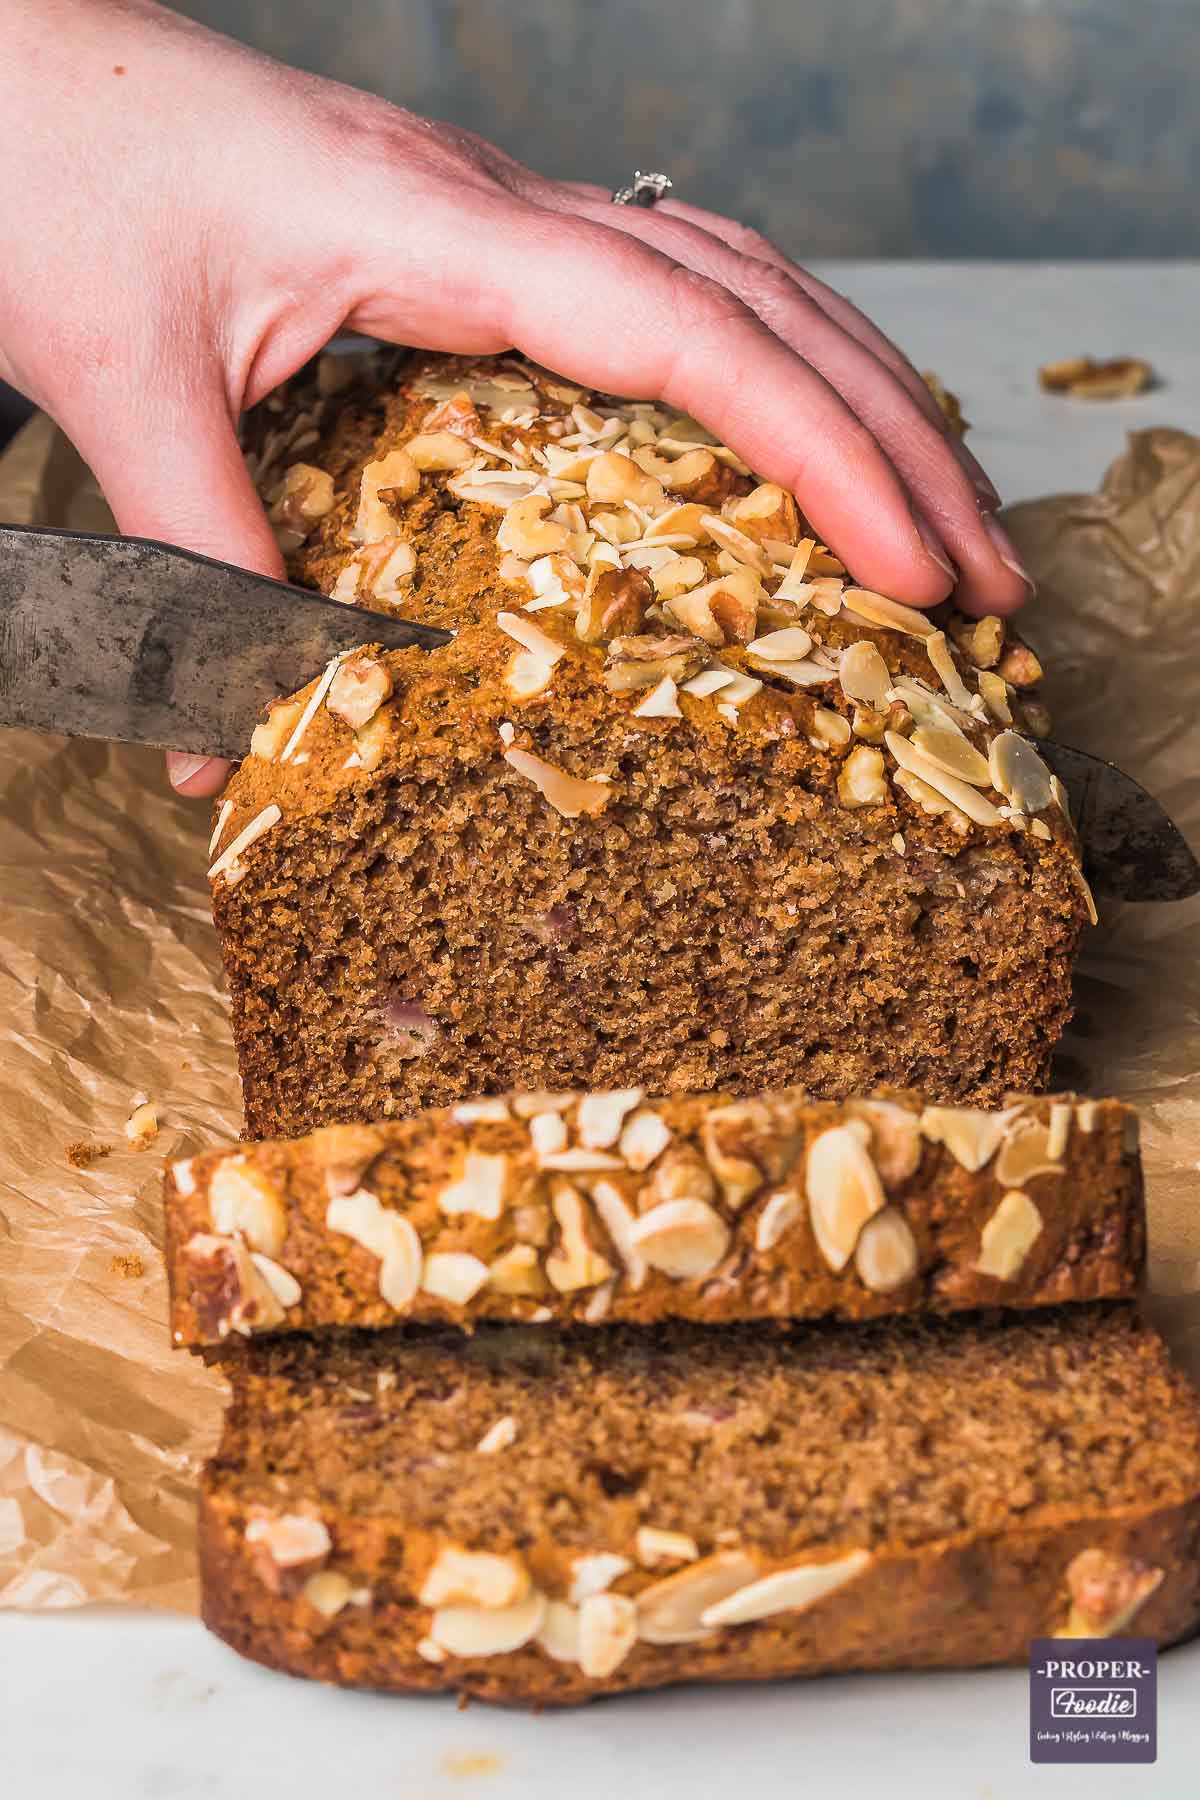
{"points": [[82, 1154]]}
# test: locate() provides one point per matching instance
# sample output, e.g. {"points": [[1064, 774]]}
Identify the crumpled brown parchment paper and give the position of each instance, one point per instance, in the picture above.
{"points": [[109, 987]]}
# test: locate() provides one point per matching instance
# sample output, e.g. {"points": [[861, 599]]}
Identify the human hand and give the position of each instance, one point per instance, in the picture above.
{"points": [[186, 222]]}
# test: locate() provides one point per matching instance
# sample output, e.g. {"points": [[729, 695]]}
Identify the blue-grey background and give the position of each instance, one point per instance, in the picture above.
{"points": [[874, 128]]}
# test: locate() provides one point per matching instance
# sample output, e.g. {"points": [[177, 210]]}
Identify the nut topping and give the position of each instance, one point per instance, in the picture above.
{"points": [[788, 1590], [728, 1134], [971, 1135], [886, 1253], [670, 1611], [619, 1221], [655, 1546], [454, 1276], [1026, 1152], [844, 1191], [1106, 1591], [607, 1633], [474, 1578], [861, 779], [567, 794], [525, 532], [286, 1547], [776, 1219], [643, 1140], [386, 1234], [1008, 1237], [574, 1264], [393, 479], [600, 1116], [226, 1290], [358, 690], [1018, 772], [559, 1632], [895, 1138], [469, 1631], [686, 1239], [593, 1574], [241, 1199]]}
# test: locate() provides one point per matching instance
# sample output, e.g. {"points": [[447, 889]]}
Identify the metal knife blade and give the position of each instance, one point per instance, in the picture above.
{"points": [[117, 637], [1132, 849]]}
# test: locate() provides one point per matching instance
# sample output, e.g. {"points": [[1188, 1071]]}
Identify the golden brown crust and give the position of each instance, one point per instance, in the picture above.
{"points": [[355, 1528], [615, 1208], [565, 874]]}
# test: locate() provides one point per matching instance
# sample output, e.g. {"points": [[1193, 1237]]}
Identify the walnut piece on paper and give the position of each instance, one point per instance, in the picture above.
{"points": [[1084, 378]]}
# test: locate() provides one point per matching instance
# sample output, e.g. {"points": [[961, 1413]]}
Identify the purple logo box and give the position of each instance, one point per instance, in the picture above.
{"points": [[1093, 1700]]}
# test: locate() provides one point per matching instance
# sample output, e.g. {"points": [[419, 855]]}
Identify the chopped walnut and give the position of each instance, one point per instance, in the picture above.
{"points": [[641, 662], [1084, 378], [359, 689], [394, 478], [614, 605], [304, 499]]}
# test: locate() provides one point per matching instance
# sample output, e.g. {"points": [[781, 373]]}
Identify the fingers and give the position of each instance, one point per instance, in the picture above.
{"points": [[616, 314], [175, 472], [943, 497], [843, 312]]}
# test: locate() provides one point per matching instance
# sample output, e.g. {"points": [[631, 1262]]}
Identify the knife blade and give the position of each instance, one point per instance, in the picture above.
{"points": [[125, 638], [1132, 848], [117, 637]]}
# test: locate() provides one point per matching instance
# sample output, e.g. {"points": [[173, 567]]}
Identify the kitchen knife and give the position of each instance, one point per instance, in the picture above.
{"points": [[117, 637], [122, 638]]}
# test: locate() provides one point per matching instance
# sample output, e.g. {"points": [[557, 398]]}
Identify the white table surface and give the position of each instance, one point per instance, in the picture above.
{"points": [[134, 1706]]}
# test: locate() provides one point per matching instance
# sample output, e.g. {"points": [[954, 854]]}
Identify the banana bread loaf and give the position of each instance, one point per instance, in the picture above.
{"points": [[542, 1517], [608, 1206], [680, 805]]}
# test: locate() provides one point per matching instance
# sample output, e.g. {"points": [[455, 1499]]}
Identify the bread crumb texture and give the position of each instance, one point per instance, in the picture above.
{"points": [[679, 804]]}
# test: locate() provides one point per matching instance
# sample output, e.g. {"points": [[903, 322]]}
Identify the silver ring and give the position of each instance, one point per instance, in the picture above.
{"points": [[643, 190]]}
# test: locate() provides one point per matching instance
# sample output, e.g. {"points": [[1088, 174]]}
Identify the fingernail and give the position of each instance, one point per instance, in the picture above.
{"points": [[181, 767], [933, 544], [1006, 550], [985, 487]]}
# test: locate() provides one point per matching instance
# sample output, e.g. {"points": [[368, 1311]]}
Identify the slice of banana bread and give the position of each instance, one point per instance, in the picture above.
{"points": [[679, 805], [542, 1517], [608, 1206]]}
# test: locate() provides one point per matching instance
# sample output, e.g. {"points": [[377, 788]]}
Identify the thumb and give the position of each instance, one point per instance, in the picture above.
{"points": [[175, 472]]}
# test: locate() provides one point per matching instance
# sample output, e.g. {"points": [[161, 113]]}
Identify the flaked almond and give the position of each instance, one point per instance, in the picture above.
{"points": [[1008, 1237], [474, 1578], [744, 551], [600, 1116], [618, 1220], [567, 794], [328, 1591], [1018, 772], [782, 646], [864, 675], [574, 1263], [479, 1187], [938, 651], [281, 1281], [643, 1140], [686, 1239], [243, 1200], [781, 1212], [995, 697], [878, 610], [469, 1631], [670, 1611], [286, 1544], [607, 1633], [675, 577], [728, 1134], [558, 1634], [861, 780], [959, 793], [383, 1233], [454, 1276], [844, 1191], [828, 729], [787, 1590], [662, 702], [595, 1573], [886, 1253], [954, 753], [895, 1138], [971, 1135], [1026, 1152]]}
